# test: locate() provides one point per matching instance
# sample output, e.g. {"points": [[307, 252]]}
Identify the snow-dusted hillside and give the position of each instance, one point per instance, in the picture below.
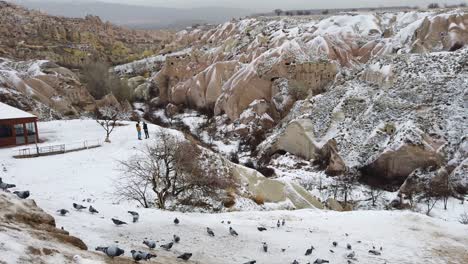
{"points": [[87, 178], [42, 87]]}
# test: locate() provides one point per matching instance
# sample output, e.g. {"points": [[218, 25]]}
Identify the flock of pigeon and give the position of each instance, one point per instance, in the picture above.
{"points": [[5, 186], [137, 255], [115, 251]]}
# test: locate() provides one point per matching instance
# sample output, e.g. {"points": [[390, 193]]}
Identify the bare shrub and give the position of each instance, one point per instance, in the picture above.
{"points": [[266, 171], [374, 194], [259, 199], [463, 218], [249, 164], [234, 157]]}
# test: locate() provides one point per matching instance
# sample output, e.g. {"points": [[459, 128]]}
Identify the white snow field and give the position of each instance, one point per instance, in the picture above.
{"points": [[57, 181]]}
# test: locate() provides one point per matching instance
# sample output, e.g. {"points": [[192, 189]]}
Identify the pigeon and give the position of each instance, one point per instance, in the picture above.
{"points": [[278, 224], [351, 255], [63, 212], [335, 243], [232, 232], [136, 255], [228, 222], [283, 222], [78, 206], [112, 251], [309, 251], [381, 248], [295, 262], [167, 246], [93, 210], [176, 221], [22, 195], [5, 186], [283, 250], [176, 239], [346, 234], [265, 247], [331, 251], [321, 261], [185, 256], [135, 216], [251, 262], [374, 252], [147, 256], [261, 229], [150, 244], [117, 222], [348, 246], [210, 232]]}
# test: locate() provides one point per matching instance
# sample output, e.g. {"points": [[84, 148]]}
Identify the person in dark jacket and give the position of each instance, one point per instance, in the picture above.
{"points": [[145, 128]]}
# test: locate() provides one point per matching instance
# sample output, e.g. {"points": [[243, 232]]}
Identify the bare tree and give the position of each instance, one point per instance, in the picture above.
{"points": [[374, 194], [108, 116], [429, 197], [443, 189], [346, 185], [278, 12], [172, 168]]}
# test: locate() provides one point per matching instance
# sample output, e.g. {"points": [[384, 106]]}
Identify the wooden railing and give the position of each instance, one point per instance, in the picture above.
{"points": [[57, 149]]}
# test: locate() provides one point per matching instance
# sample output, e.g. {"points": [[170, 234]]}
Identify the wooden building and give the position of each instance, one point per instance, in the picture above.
{"points": [[17, 127]]}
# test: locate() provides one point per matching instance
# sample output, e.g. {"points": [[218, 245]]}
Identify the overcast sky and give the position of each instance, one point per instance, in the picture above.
{"points": [[284, 4]]}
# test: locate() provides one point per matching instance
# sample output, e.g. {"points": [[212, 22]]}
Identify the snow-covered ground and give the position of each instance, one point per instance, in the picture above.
{"points": [[87, 177]]}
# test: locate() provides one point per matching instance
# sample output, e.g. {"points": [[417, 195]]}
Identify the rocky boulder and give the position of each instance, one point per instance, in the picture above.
{"points": [[273, 191]]}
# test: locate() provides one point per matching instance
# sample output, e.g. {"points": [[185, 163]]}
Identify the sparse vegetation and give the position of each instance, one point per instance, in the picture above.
{"points": [[100, 82], [298, 90], [463, 218]]}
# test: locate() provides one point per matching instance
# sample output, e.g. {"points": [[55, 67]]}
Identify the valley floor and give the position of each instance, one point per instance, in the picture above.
{"points": [[87, 177]]}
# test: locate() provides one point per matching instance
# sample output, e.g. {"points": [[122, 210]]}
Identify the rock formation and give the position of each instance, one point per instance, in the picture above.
{"points": [[44, 88], [28, 34]]}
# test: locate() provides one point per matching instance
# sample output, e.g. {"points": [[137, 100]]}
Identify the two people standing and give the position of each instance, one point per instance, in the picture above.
{"points": [[145, 128]]}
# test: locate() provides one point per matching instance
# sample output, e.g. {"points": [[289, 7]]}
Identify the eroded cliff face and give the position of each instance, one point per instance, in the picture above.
{"points": [[244, 58], [362, 92], [386, 127], [28, 34]]}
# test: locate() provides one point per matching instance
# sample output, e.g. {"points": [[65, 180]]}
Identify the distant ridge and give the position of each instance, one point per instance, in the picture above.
{"points": [[137, 16]]}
